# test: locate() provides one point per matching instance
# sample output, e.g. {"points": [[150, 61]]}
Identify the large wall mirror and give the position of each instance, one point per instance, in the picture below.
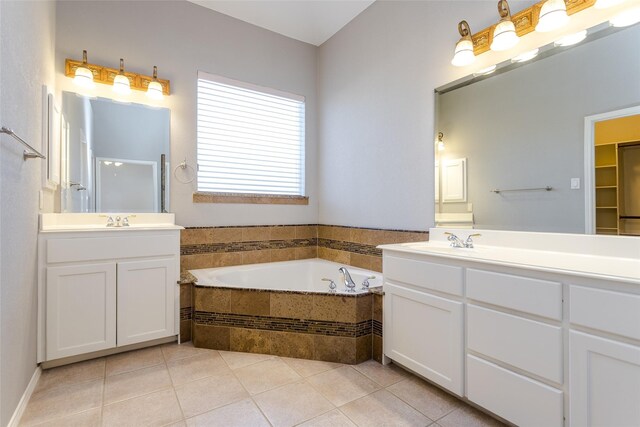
{"points": [[114, 156], [517, 154]]}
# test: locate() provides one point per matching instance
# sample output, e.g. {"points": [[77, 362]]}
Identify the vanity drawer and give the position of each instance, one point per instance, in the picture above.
{"points": [[607, 311], [101, 248], [521, 400], [534, 296], [428, 275], [526, 344]]}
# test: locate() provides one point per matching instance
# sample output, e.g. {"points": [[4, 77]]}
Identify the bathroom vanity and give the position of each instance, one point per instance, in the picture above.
{"points": [[104, 289], [540, 329]]}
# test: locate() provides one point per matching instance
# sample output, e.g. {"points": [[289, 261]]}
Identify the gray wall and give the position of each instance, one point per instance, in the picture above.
{"points": [[525, 128], [27, 39], [182, 38], [376, 82]]}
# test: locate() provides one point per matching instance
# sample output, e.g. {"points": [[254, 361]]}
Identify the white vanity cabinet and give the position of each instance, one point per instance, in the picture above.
{"points": [[535, 346], [106, 289], [423, 319]]}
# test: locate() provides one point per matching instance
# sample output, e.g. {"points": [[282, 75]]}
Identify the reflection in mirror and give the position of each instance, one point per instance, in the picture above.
{"points": [[111, 155], [522, 131]]}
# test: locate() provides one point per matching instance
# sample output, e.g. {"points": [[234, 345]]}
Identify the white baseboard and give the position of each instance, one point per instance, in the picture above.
{"points": [[22, 405]]}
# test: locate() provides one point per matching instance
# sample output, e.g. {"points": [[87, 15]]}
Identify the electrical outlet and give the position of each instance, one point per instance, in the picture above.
{"points": [[575, 183]]}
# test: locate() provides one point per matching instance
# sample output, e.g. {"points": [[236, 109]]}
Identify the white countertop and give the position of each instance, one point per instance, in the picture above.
{"points": [[84, 222], [584, 261]]}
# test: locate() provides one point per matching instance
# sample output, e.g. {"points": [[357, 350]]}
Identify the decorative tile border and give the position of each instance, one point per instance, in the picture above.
{"points": [[376, 328], [283, 324], [185, 313], [206, 247], [247, 246]]}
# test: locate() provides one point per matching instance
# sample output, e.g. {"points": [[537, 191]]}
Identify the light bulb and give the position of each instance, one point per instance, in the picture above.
{"points": [[154, 90], [553, 15], [626, 18], [504, 34], [121, 84], [463, 54], [604, 4], [83, 76], [526, 56], [571, 39], [485, 71]]}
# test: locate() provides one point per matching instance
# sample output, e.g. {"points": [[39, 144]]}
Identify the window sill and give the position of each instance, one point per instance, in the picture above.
{"points": [[253, 199]]}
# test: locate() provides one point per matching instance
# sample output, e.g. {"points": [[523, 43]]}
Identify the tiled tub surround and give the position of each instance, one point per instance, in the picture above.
{"points": [[306, 325], [207, 247]]}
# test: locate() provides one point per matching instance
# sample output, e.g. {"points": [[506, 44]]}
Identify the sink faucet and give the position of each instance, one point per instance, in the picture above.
{"points": [[456, 242], [348, 281]]}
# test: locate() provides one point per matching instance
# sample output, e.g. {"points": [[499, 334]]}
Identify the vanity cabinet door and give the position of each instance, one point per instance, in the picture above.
{"points": [[424, 333], [604, 382], [146, 300], [81, 309]]}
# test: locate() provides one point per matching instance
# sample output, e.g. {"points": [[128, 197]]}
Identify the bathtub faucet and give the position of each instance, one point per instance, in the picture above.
{"points": [[348, 281]]}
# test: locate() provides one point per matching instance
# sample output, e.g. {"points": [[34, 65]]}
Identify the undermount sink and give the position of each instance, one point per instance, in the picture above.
{"points": [[53, 222]]}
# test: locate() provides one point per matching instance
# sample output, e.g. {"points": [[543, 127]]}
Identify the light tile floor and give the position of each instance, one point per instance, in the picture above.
{"points": [[179, 385]]}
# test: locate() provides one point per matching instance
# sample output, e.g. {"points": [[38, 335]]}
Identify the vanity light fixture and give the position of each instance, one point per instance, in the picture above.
{"points": [[553, 15], [440, 142], [463, 54], [121, 84], [154, 90], [526, 56], [504, 34], [604, 4], [571, 39], [626, 18], [485, 71], [83, 76]]}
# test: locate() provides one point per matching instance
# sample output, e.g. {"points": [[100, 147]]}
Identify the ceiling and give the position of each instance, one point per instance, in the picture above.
{"points": [[310, 21]]}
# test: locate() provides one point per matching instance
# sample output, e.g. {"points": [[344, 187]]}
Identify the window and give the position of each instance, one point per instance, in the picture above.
{"points": [[250, 138]]}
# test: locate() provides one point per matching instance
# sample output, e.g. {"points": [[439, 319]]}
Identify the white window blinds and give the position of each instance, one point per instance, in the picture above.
{"points": [[250, 138]]}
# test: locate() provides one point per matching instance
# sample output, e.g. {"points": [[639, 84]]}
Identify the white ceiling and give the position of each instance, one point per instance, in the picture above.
{"points": [[310, 21]]}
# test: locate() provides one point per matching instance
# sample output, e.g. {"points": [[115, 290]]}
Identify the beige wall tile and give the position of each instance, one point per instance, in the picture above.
{"points": [[334, 255], [256, 257], [226, 235], [185, 295], [249, 302], [194, 262], [341, 233], [376, 348], [195, 236], [364, 310], [255, 234], [213, 300], [226, 259], [290, 305], [306, 231], [325, 232], [334, 307], [306, 253], [286, 232], [213, 337], [414, 237], [250, 340], [290, 344], [377, 307], [360, 261], [363, 348], [376, 263], [283, 254], [185, 330]]}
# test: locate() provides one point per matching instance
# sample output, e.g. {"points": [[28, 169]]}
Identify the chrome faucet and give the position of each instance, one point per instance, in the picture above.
{"points": [[348, 281], [456, 242]]}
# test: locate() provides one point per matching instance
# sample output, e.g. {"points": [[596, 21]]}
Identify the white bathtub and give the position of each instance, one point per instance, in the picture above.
{"points": [[302, 276]]}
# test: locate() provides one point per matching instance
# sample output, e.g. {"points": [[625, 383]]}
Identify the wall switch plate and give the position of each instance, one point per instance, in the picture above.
{"points": [[469, 207], [575, 183]]}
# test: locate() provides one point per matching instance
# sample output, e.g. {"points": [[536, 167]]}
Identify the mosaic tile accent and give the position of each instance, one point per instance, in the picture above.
{"points": [[352, 247], [185, 313], [283, 324], [377, 328], [247, 246]]}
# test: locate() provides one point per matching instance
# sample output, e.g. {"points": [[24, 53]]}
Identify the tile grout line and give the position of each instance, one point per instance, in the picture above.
{"points": [[173, 386]]}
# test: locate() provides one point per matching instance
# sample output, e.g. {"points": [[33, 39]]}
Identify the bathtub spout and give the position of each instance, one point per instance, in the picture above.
{"points": [[348, 281]]}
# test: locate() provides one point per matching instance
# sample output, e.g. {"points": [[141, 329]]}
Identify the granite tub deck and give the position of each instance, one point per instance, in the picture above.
{"points": [[308, 325]]}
